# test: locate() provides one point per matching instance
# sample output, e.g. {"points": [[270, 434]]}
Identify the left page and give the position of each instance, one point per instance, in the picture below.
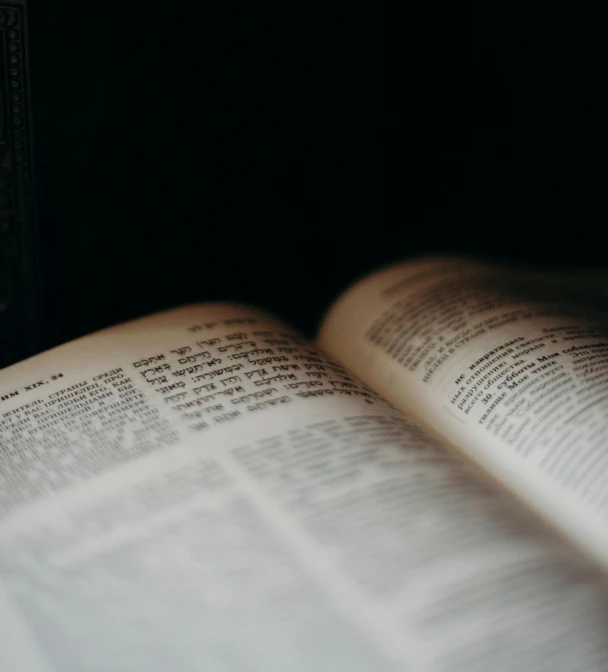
{"points": [[203, 490]]}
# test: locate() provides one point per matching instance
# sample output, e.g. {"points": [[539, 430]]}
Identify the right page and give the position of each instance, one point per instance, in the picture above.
{"points": [[507, 366]]}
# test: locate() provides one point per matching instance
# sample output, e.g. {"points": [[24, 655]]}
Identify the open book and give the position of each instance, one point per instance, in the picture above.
{"points": [[425, 488]]}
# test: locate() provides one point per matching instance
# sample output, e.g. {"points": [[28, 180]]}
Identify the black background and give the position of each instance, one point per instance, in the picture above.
{"points": [[232, 150]]}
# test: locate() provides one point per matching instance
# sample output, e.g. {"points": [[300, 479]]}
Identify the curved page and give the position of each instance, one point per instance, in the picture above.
{"points": [[508, 366]]}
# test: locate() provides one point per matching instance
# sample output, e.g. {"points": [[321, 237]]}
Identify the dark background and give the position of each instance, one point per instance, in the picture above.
{"points": [[233, 150]]}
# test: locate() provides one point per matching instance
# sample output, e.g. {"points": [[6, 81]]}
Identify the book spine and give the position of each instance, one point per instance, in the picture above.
{"points": [[19, 268]]}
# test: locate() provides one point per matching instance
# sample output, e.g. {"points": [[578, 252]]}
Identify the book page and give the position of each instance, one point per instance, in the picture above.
{"points": [[204, 490], [509, 366]]}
